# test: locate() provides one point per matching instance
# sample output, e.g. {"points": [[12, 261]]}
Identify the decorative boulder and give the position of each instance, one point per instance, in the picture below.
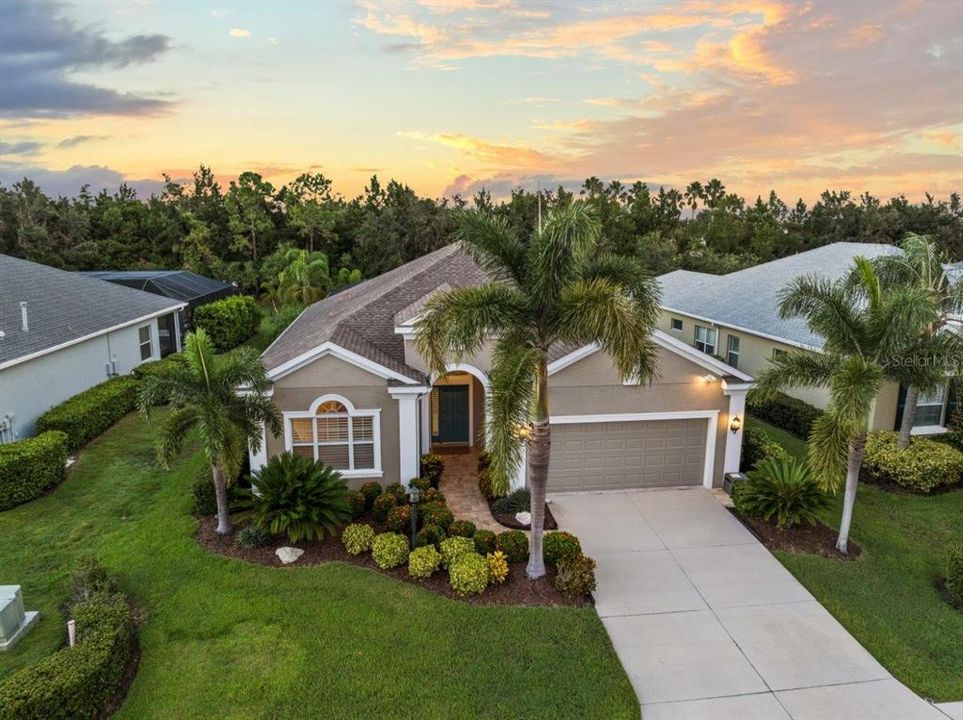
{"points": [[525, 518], [288, 555]]}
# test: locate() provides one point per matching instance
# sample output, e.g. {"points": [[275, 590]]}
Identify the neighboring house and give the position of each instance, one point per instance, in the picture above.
{"points": [[355, 393], [183, 285], [736, 317], [61, 333]]}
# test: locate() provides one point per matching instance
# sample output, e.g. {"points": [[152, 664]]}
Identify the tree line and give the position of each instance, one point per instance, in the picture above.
{"points": [[242, 233]]}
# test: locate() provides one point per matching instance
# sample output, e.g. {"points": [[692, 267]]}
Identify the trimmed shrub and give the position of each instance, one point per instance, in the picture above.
{"points": [[559, 545], [358, 504], [357, 538], [432, 466], [389, 550], [422, 483], [297, 496], [430, 535], [485, 484], [576, 576], [786, 412], [453, 548], [399, 519], [954, 574], [30, 467], [462, 528], [423, 561], [484, 542], [230, 321], [469, 574], [88, 414], [433, 495], [398, 490], [205, 501], [783, 491], [437, 514], [514, 544], [483, 460], [252, 537], [371, 490], [497, 567], [383, 504], [757, 446], [77, 682], [515, 502], [159, 368], [924, 466]]}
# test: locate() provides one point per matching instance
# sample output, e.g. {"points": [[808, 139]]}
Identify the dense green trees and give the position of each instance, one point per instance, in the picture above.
{"points": [[231, 234]]}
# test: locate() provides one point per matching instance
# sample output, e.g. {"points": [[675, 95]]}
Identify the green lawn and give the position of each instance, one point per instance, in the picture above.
{"points": [[221, 638], [794, 446], [887, 599]]}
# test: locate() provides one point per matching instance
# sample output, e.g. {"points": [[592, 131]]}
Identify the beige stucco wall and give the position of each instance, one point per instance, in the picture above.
{"points": [[330, 375], [593, 386], [883, 414]]}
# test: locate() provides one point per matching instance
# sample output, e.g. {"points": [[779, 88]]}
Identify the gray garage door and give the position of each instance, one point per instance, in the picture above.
{"points": [[612, 455]]}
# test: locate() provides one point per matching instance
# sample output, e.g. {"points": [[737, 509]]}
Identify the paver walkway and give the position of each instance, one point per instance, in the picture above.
{"points": [[708, 624], [459, 483]]}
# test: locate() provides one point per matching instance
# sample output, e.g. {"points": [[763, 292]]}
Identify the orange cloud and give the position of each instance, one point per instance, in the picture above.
{"points": [[501, 155]]}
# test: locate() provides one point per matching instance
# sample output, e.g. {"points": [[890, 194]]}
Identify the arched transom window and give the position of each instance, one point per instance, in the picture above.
{"points": [[337, 435]]}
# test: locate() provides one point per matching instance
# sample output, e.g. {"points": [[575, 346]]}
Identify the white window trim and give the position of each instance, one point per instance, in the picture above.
{"points": [[729, 352], [352, 412], [150, 327], [715, 343], [679, 329]]}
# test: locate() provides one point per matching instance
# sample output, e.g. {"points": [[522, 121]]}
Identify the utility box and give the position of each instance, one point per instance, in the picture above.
{"points": [[731, 479], [15, 622]]}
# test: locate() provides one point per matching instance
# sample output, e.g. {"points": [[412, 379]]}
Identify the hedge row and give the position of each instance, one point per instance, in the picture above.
{"points": [[757, 446], [789, 413], [29, 467], [925, 466], [229, 322], [85, 416], [81, 681]]}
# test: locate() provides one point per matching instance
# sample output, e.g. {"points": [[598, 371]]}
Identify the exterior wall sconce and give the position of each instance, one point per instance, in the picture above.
{"points": [[710, 378], [735, 424]]}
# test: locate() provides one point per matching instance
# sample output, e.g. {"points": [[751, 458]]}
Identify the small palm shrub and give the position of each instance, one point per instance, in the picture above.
{"points": [[469, 574], [389, 550], [370, 490], [299, 497], [423, 561], [252, 537], [432, 466], [383, 505], [497, 567], [357, 538], [925, 466], [576, 576], [557, 546], [462, 528], [399, 519], [358, 504], [453, 548], [783, 491], [484, 542], [514, 544], [515, 502], [398, 490], [437, 514], [430, 535], [954, 574]]}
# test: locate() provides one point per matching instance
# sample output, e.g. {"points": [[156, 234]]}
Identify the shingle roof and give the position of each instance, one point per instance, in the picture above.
{"points": [[63, 306], [748, 299]]}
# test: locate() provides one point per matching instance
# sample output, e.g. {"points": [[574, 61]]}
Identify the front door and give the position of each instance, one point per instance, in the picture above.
{"points": [[452, 414]]}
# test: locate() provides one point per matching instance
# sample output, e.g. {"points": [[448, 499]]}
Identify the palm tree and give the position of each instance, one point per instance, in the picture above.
{"points": [[222, 397], [305, 278], [553, 288], [922, 264], [868, 333]]}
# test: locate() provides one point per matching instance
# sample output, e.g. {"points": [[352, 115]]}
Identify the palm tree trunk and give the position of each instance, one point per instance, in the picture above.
{"points": [[906, 422], [539, 451], [220, 493], [857, 449]]}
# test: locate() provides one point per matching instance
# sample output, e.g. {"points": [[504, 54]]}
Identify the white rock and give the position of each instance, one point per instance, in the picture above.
{"points": [[525, 518], [288, 555]]}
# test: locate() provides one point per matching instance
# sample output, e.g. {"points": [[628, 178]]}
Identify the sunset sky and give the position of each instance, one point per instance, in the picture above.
{"points": [[453, 95]]}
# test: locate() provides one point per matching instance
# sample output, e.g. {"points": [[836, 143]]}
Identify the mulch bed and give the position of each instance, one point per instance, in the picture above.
{"points": [[130, 672], [509, 521], [516, 590], [816, 539]]}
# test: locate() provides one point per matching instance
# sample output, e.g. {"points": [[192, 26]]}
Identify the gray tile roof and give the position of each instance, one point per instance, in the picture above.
{"points": [[362, 318], [63, 306], [748, 299]]}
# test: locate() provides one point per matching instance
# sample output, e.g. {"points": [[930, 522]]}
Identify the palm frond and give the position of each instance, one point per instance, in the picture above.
{"points": [[853, 387], [828, 452], [796, 368], [494, 245], [174, 429], [513, 382], [560, 251], [829, 309], [906, 315]]}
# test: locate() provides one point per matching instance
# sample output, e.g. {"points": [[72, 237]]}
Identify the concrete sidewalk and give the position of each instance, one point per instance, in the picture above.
{"points": [[708, 624]]}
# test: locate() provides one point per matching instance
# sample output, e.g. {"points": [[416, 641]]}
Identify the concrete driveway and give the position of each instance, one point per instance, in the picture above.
{"points": [[708, 624]]}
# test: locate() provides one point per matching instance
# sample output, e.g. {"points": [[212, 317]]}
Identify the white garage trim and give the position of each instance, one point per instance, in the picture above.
{"points": [[712, 424]]}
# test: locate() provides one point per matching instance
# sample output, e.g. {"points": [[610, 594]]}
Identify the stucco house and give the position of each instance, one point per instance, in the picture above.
{"points": [[355, 393], [736, 317], [62, 332]]}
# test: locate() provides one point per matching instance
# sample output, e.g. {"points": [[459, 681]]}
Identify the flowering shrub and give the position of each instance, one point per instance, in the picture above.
{"points": [[469, 574], [430, 535], [497, 567], [389, 550], [453, 548], [437, 514], [357, 538], [358, 504], [370, 490], [925, 466], [462, 528], [383, 505], [399, 519], [423, 561]]}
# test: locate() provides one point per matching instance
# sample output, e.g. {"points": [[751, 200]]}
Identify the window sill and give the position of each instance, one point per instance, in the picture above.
{"points": [[361, 473], [928, 430]]}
